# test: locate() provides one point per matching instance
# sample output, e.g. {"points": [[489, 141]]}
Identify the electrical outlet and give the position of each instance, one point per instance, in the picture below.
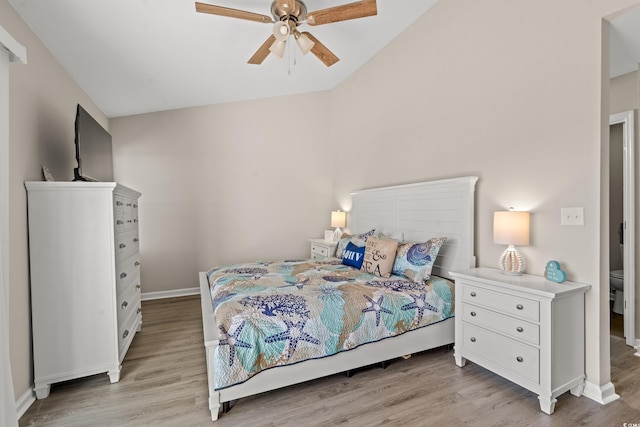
{"points": [[572, 216]]}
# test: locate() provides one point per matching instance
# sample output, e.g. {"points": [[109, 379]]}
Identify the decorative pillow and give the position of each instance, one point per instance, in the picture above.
{"points": [[353, 255], [415, 260], [379, 256], [358, 239], [399, 236]]}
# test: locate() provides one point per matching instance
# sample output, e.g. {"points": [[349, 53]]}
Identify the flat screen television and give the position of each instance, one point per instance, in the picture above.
{"points": [[93, 149]]}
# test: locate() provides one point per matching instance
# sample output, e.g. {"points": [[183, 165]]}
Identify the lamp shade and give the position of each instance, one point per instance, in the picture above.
{"points": [[511, 228], [278, 47], [304, 43], [338, 219]]}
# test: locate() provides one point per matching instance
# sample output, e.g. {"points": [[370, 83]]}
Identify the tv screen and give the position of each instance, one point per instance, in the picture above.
{"points": [[93, 149]]}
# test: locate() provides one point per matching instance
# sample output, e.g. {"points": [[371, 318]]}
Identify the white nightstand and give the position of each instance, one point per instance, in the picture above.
{"points": [[524, 328], [321, 249]]}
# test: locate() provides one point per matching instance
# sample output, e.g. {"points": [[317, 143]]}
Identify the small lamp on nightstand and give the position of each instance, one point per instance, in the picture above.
{"points": [[511, 228], [338, 220]]}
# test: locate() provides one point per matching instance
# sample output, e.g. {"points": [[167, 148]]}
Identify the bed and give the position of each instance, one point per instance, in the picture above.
{"points": [[416, 212]]}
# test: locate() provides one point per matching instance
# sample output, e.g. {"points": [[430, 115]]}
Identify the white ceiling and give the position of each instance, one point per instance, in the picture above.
{"points": [[139, 56]]}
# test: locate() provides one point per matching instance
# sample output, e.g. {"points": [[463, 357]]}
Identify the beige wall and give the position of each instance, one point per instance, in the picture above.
{"points": [[506, 90], [43, 100], [509, 91], [225, 184]]}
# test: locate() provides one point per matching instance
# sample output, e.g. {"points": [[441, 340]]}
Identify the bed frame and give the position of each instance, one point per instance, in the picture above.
{"points": [[418, 211]]}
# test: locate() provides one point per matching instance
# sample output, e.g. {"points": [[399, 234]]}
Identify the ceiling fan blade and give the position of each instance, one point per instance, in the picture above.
{"points": [[262, 52], [232, 13], [321, 52], [344, 12]]}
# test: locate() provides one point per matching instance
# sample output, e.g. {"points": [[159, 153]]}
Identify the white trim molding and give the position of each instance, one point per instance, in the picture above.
{"points": [[601, 394], [25, 401]]}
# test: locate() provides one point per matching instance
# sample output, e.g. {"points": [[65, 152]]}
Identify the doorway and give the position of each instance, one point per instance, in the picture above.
{"points": [[624, 122]]}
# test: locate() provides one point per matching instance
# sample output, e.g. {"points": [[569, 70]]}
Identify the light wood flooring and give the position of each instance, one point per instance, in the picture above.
{"points": [[163, 383]]}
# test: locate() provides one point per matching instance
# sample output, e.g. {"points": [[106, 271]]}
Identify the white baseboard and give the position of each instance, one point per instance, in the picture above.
{"points": [[170, 294], [601, 394], [25, 401]]}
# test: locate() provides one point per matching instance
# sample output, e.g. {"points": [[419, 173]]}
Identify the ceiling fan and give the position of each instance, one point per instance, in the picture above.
{"points": [[287, 15]]}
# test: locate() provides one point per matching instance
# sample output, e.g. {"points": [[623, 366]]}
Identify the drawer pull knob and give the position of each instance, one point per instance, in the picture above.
{"points": [[473, 339], [135, 240], [123, 275], [122, 246], [135, 205], [118, 203], [139, 310], [473, 294], [119, 222], [519, 306], [520, 359], [138, 286], [473, 313], [124, 305], [520, 329], [128, 204], [129, 221], [137, 263], [125, 334]]}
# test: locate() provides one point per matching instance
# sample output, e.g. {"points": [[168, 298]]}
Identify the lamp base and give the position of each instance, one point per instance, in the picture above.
{"points": [[511, 262], [337, 234]]}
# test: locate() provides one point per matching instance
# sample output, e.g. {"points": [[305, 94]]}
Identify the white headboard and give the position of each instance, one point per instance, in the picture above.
{"points": [[421, 211]]}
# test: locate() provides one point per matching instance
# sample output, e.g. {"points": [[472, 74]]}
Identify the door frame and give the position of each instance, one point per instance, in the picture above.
{"points": [[626, 119]]}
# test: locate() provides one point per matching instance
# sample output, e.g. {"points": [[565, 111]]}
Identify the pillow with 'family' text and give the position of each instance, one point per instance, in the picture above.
{"points": [[353, 255]]}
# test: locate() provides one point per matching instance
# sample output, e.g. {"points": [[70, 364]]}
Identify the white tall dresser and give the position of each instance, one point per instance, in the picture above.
{"points": [[85, 278]]}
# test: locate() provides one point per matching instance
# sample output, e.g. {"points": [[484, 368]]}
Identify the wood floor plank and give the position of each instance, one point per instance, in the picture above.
{"points": [[163, 383]]}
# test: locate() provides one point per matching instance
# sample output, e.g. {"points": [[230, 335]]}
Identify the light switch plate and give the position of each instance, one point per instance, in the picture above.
{"points": [[572, 216]]}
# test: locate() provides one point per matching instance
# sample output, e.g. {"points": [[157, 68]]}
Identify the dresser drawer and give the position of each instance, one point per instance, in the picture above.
{"points": [[321, 251], [509, 304], [126, 332], [128, 302], [127, 272], [501, 323], [516, 357], [127, 244]]}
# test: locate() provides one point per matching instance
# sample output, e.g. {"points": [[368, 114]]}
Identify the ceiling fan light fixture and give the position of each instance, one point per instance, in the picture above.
{"points": [[278, 47], [281, 30], [304, 43]]}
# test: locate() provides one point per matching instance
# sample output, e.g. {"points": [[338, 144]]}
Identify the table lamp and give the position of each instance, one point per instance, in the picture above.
{"points": [[511, 228]]}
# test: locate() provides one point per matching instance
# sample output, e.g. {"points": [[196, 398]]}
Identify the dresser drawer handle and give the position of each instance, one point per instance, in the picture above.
{"points": [[122, 246], [473, 339], [139, 310], [520, 329], [129, 221], [123, 275], [118, 203], [138, 287], [128, 204], [137, 263], [473, 314], [519, 306], [136, 240], [135, 220], [124, 305], [119, 222], [125, 334], [473, 294], [519, 359], [135, 206]]}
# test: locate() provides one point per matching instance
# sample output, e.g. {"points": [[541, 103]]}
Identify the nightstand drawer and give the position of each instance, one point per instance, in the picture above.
{"points": [[518, 358], [501, 323], [319, 250], [509, 304]]}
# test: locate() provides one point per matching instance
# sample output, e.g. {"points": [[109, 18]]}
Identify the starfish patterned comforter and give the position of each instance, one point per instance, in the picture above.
{"points": [[279, 313]]}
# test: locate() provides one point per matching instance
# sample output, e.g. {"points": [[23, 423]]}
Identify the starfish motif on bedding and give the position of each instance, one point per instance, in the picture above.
{"points": [[376, 307], [293, 334], [233, 341], [420, 304]]}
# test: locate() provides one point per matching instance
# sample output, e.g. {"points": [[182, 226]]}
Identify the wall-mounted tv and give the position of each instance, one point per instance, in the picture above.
{"points": [[93, 149]]}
